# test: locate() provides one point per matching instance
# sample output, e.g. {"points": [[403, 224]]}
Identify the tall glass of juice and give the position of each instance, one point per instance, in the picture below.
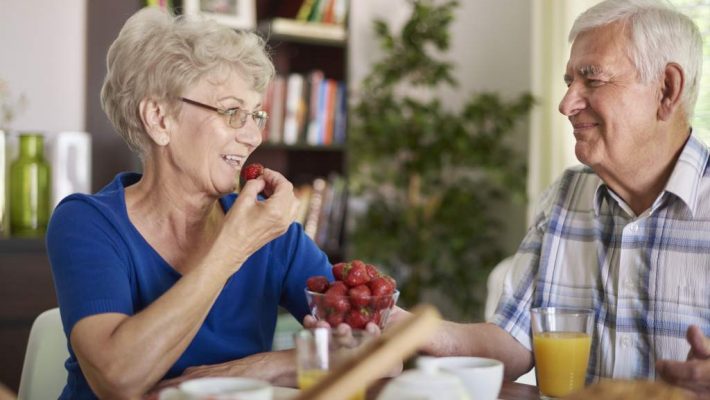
{"points": [[562, 338], [319, 350]]}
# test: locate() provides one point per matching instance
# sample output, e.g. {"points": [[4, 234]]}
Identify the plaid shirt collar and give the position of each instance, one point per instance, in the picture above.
{"points": [[683, 182]]}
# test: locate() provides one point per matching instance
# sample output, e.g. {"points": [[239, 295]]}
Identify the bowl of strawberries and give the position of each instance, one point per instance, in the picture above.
{"points": [[360, 294]]}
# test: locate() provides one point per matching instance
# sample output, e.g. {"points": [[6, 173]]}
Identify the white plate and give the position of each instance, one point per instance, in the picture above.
{"points": [[284, 393], [280, 393]]}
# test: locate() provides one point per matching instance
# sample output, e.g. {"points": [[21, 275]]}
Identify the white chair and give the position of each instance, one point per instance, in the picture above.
{"points": [[495, 288], [43, 373]]}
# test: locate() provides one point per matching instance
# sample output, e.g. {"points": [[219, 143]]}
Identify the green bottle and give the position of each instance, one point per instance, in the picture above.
{"points": [[29, 188]]}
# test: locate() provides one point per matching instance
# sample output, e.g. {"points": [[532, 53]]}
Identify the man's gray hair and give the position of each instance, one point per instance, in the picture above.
{"points": [[659, 34]]}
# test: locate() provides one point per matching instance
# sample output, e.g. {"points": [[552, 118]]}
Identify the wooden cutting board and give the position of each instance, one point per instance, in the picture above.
{"points": [[378, 357]]}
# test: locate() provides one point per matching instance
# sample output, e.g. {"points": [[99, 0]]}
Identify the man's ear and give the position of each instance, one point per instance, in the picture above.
{"points": [[672, 88], [154, 117]]}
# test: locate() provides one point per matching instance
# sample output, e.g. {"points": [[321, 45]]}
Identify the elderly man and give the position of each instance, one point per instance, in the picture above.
{"points": [[628, 233]]}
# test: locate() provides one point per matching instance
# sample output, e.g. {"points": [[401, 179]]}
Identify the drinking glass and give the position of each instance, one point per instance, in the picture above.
{"points": [[320, 350], [562, 339]]}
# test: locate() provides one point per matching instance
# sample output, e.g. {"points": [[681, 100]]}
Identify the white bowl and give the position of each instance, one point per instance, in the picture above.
{"points": [[227, 388], [482, 377]]}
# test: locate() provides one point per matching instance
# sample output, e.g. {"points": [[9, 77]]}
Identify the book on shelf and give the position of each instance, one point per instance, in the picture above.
{"points": [[294, 109], [274, 105], [314, 208], [340, 123], [322, 210], [331, 220], [310, 110], [305, 10], [315, 78], [303, 193]]}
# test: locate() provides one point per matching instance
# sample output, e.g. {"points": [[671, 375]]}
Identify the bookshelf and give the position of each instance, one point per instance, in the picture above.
{"points": [[306, 139]]}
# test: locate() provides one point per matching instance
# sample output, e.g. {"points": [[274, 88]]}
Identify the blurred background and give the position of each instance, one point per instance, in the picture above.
{"points": [[417, 133]]}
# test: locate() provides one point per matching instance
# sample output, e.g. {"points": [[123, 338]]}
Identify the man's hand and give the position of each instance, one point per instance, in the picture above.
{"points": [[693, 374]]}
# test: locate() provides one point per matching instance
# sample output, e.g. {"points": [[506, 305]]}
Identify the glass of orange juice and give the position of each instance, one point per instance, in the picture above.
{"points": [[319, 350], [562, 338]]}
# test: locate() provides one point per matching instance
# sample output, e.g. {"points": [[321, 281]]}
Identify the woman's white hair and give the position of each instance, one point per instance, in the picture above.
{"points": [[659, 34], [157, 55]]}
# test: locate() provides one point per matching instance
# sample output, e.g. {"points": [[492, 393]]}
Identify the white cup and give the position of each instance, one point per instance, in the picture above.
{"points": [[422, 385], [482, 377], [226, 389]]}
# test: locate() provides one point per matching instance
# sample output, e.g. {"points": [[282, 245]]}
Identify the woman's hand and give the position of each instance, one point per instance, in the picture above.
{"points": [[251, 223], [276, 367]]}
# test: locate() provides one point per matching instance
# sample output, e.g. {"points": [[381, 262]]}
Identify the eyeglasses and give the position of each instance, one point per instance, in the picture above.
{"points": [[236, 117]]}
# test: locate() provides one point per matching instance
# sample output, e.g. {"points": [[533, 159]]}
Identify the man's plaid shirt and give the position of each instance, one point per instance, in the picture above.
{"points": [[647, 277]]}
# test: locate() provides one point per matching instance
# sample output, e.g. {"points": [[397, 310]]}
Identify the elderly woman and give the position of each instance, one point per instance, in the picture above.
{"points": [[168, 273]]}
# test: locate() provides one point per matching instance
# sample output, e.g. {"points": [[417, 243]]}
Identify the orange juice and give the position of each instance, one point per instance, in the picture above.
{"points": [[310, 377], [561, 360]]}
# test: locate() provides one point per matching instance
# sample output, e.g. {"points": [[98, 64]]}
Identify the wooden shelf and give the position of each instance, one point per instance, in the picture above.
{"points": [[26, 290], [285, 29], [301, 147], [21, 245]]}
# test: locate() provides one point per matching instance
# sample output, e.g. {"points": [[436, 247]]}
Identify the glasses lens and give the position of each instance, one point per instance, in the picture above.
{"points": [[238, 118], [260, 117]]}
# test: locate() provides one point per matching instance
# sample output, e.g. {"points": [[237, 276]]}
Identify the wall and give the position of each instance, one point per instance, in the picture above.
{"points": [[490, 47], [43, 56]]}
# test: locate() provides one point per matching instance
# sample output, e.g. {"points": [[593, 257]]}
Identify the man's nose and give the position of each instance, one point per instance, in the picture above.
{"points": [[573, 102]]}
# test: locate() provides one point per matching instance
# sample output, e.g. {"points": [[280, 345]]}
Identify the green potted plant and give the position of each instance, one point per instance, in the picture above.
{"points": [[430, 177]]}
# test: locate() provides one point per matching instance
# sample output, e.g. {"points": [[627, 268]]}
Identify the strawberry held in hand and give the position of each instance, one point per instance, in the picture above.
{"points": [[360, 294], [251, 171]]}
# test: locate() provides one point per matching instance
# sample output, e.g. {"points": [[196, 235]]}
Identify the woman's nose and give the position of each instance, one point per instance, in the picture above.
{"points": [[250, 134]]}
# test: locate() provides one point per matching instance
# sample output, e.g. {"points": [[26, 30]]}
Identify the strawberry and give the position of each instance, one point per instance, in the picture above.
{"points": [[359, 296], [317, 284], [382, 286], [382, 289], [357, 275], [335, 297], [339, 304], [337, 288], [372, 271], [334, 319], [357, 319], [252, 171], [377, 317], [340, 269]]}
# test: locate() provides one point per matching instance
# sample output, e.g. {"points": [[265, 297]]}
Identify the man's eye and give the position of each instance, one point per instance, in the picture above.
{"points": [[595, 82]]}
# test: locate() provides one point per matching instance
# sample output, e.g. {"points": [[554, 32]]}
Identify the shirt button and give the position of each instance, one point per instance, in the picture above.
{"points": [[626, 341]]}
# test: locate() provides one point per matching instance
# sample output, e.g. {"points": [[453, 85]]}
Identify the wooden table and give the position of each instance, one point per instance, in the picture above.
{"points": [[518, 391], [509, 391]]}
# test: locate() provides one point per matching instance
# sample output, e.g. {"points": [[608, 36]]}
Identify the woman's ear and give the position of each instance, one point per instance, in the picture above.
{"points": [[672, 88], [154, 117]]}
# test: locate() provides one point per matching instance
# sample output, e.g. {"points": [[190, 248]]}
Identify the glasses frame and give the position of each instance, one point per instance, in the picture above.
{"points": [[260, 116]]}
